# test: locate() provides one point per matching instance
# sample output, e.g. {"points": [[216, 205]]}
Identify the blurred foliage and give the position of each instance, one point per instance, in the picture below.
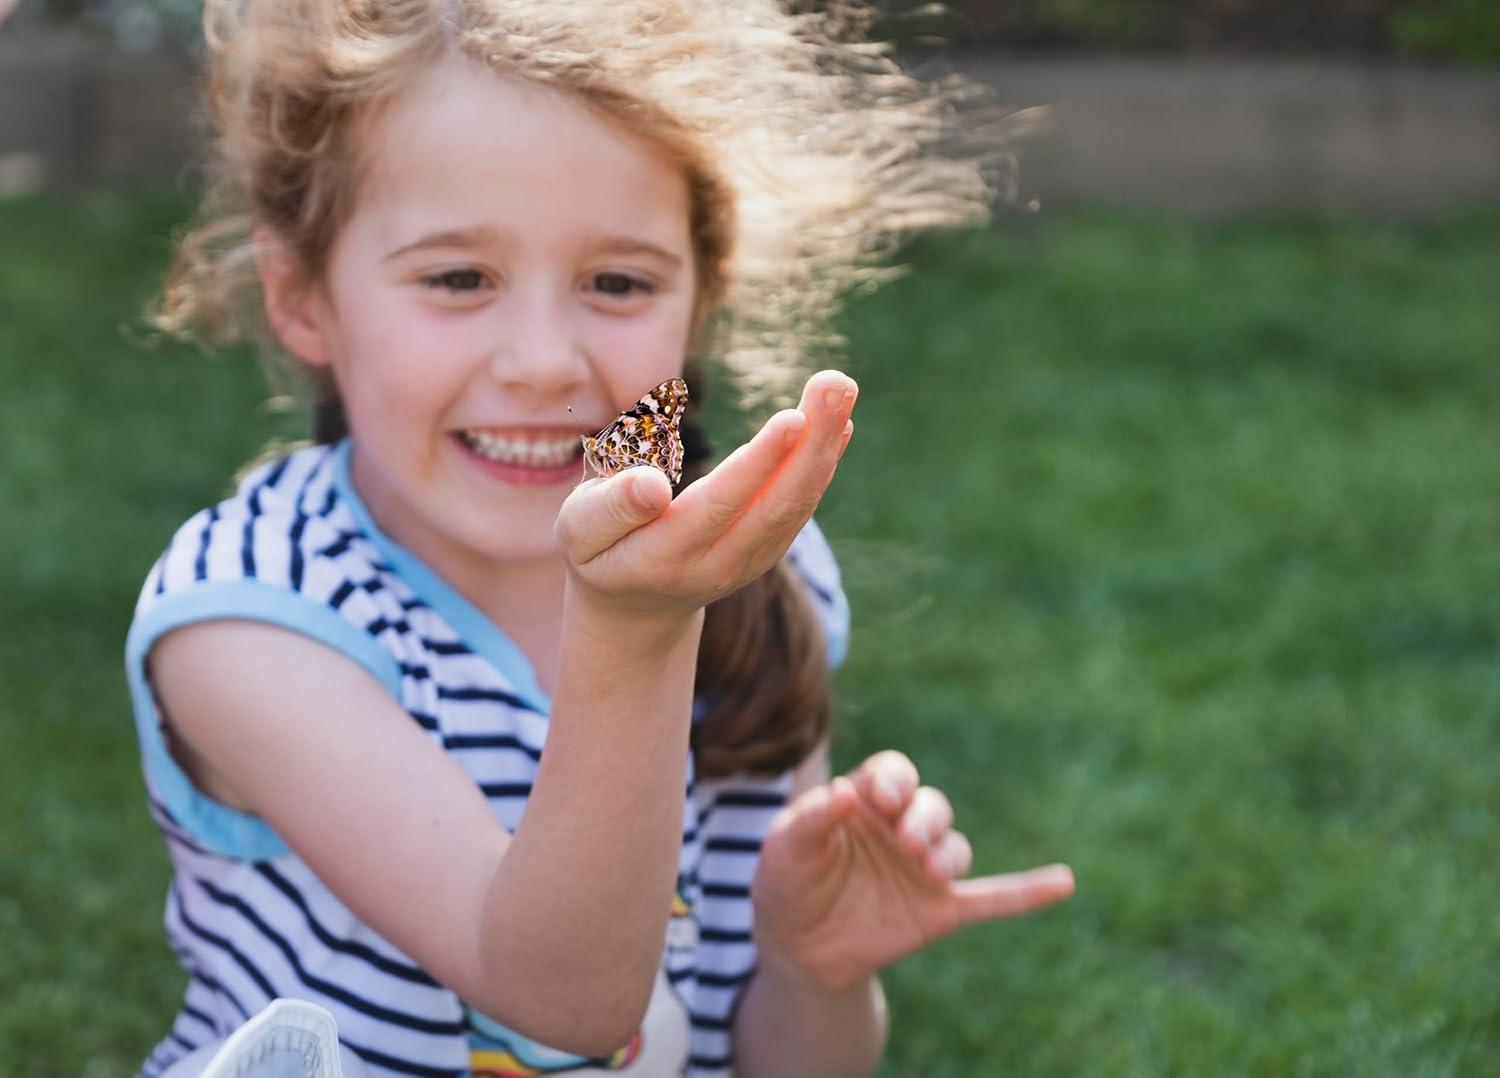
{"points": [[1171, 547], [1464, 30], [1455, 30]]}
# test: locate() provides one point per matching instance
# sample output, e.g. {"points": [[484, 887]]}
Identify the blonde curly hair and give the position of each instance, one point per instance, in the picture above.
{"points": [[808, 152]]}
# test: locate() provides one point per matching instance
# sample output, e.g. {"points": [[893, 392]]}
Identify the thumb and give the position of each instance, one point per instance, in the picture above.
{"points": [[601, 512]]}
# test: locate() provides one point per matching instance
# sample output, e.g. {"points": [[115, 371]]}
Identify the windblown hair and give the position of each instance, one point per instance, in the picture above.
{"points": [[808, 156]]}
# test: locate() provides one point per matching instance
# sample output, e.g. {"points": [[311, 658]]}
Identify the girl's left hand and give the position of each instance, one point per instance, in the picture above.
{"points": [[868, 869]]}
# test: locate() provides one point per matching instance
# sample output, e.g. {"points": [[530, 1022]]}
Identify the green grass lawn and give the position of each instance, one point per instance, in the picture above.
{"points": [[1174, 550]]}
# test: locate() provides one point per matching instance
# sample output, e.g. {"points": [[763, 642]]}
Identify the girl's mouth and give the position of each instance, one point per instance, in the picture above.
{"points": [[520, 455]]}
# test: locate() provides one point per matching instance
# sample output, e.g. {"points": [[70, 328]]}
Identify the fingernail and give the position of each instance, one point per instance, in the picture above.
{"points": [[795, 423], [1058, 876], [835, 398], [844, 438], [886, 786], [640, 497]]}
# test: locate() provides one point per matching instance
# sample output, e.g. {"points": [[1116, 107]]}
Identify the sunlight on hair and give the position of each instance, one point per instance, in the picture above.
{"points": [[809, 153]]}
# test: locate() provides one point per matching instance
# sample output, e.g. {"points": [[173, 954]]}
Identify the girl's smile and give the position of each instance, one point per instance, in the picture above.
{"points": [[511, 255], [526, 456]]}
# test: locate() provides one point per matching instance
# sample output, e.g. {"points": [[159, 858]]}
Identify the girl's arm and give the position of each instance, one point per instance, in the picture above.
{"points": [[787, 1024], [557, 930], [540, 929], [854, 875]]}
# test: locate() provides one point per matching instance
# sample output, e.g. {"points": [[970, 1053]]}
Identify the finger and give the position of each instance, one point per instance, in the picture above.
{"points": [[720, 498], [950, 858], [926, 819], [747, 508], [601, 512], [827, 399], [809, 822], [1013, 894], [784, 504], [886, 781]]}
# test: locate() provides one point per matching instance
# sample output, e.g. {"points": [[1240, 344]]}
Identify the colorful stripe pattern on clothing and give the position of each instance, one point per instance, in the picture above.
{"points": [[249, 921]]}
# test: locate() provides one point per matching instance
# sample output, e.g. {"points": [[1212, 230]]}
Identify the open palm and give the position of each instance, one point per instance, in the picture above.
{"points": [[856, 874]]}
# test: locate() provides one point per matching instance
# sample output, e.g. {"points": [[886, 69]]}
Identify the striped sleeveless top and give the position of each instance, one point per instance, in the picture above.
{"points": [[249, 922]]}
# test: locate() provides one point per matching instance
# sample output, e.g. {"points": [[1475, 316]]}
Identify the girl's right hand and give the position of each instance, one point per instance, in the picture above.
{"points": [[634, 548]]}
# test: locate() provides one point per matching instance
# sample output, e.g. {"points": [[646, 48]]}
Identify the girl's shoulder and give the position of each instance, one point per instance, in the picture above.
{"points": [[812, 561], [286, 525], [284, 548]]}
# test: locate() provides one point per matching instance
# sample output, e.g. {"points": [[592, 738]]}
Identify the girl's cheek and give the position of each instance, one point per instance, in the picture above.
{"points": [[422, 333], [650, 338]]}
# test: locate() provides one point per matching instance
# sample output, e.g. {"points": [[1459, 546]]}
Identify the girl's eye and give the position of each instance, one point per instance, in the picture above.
{"points": [[457, 280], [620, 284]]}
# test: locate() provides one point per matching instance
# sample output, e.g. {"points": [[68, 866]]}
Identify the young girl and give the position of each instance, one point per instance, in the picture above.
{"points": [[480, 229]]}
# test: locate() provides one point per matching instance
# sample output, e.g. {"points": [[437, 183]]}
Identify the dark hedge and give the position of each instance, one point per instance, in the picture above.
{"points": [[1457, 30]]}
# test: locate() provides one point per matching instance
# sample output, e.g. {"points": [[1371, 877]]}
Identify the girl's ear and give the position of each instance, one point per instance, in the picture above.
{"points": [[292, 307]]}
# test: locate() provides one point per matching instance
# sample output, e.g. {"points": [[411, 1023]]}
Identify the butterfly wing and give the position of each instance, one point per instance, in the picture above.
{"points": [[647, 434], [669, 400]]}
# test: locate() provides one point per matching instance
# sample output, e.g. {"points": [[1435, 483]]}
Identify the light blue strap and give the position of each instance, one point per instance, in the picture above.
{"points": [[208, 822]]}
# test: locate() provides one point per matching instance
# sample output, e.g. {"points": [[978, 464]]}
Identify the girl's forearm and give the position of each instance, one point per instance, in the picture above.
{"points": [[788, 1027], [578, 906]]}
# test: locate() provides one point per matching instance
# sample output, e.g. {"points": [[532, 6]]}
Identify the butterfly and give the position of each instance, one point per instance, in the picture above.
{"points": [[647, 434]]}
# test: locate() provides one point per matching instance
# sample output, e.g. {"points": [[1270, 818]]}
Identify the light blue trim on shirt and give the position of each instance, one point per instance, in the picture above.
{"points": [[216, 826], [838, 638], [471, 624], [811, 545]]}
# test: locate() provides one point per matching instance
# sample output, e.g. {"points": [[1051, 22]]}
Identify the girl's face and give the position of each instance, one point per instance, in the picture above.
{"points": [[511, 255]]}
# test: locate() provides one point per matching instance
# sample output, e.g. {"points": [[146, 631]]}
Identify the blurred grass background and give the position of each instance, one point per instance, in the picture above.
{"points": [[1172, 547]]}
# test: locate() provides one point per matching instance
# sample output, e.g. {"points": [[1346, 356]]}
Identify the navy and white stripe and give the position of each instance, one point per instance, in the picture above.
{"points": [[250, 922]]}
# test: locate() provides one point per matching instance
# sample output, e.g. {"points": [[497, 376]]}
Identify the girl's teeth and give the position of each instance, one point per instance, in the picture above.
{"points": [[521, 450]]}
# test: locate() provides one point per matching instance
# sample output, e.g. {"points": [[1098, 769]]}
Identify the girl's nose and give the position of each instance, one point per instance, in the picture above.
{"points": [[538, 349]]}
